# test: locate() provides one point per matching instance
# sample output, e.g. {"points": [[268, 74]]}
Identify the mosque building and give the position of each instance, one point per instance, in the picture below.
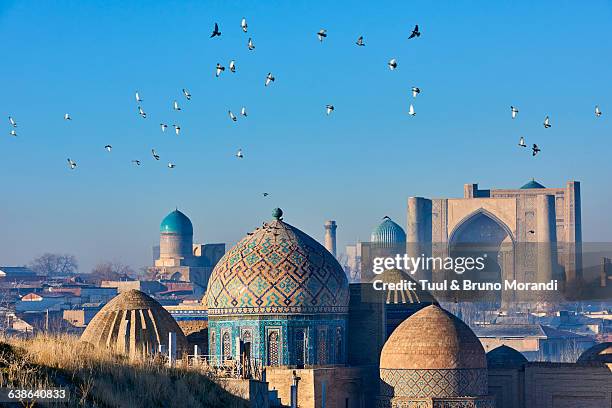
{"points": [[178, 258], [281, 297]]}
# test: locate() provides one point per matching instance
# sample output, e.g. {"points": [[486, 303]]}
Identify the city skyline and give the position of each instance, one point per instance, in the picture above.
{"points": [[354, 166]]}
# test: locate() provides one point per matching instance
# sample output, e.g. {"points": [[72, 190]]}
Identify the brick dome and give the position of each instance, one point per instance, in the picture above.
{"points": [[433, 338], [432, 354], [277, 269], [132, 323], [505, 357]]}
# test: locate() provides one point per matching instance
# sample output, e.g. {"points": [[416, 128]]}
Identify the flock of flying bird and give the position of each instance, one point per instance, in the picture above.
{"points": [[321, 35], [535, 149]]}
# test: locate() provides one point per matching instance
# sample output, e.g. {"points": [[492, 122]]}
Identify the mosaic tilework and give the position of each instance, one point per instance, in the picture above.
{"points": [[277, 269], [433, 383], [466, 402], [292, 348]]}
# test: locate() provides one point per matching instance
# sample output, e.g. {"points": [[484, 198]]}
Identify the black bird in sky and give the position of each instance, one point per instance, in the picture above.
{"points": [[216, 32], [535, 149], [415, 32]]}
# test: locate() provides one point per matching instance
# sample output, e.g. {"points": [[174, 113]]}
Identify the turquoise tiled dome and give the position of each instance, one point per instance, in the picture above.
{"points": [[531, 184], [277, 269], [388, 232], [176, 223]]}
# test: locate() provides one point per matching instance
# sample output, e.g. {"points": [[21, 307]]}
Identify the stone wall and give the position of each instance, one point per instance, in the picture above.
{"points": [[330, 387]]}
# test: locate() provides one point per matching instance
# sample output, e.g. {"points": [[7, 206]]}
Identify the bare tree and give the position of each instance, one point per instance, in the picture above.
{"points": [[111, 271], [54, 264]]}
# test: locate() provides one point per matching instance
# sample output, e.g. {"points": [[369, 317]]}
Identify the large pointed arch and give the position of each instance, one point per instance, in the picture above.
{"points": [[479, 212]]}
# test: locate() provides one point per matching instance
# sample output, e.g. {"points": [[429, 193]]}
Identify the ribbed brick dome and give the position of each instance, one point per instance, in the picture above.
{"points": [[132, 323], [433, 338]]}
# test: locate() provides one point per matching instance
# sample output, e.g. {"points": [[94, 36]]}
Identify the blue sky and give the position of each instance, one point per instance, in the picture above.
{"points": [[474, 60]]}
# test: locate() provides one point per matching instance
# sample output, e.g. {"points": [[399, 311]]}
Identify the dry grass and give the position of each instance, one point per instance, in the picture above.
{"points": [[99, 378]]}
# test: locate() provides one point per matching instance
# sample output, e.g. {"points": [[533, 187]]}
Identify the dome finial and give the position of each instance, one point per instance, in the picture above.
{"points": [[277, 213]]}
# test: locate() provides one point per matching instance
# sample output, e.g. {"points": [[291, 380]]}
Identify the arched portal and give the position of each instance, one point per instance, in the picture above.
{"points": [[483, 235]]}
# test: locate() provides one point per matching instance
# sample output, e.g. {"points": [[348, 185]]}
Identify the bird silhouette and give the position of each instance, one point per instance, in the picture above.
{"points": [[360, 42], [216, 32], [415, 32], [535, 149], [269, 78], [514, 112], [321, 35]]}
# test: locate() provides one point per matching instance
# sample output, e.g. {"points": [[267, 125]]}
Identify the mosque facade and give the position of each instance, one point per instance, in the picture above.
{"points": [[531, 234]]}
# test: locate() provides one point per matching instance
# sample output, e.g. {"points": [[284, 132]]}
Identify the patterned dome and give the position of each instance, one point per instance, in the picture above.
{"points": [[388, 232], [176, 223], [277, 269], [132, 323]]}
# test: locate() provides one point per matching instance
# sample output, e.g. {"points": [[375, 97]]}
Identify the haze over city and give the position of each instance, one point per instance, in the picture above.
{"points": [[354, 166]]}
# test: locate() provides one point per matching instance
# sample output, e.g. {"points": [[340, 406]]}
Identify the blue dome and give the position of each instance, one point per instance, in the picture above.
{"points": [[176, 223], [388, 232], [532, 184]]}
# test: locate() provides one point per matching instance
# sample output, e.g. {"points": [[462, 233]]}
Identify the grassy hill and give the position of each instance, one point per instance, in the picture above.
{"points": [[99, 378]]}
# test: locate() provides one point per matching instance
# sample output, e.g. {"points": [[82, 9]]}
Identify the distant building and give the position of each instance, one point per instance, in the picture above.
{"points": [[148, 287], [179, 258], [531, 234], [17, 274], [82, 316], [535, 341]]}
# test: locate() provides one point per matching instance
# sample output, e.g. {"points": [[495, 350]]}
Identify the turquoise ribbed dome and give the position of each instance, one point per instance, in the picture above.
{"points": [[176, 223], [388, 232], [531, 184]]}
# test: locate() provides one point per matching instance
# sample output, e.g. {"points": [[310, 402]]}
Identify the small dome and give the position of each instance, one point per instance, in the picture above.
{"points": [[600, 353], [388, 232], [277, 269], [132, 323], [176, 223], [531, 184], [505, 357], [396, 276], [431, 339]]}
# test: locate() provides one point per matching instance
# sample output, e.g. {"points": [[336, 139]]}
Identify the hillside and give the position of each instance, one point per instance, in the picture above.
{"points": [[99, 378]]}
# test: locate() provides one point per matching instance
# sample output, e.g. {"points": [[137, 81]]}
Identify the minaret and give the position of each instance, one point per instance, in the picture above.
{"points": [[330, 236]]}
